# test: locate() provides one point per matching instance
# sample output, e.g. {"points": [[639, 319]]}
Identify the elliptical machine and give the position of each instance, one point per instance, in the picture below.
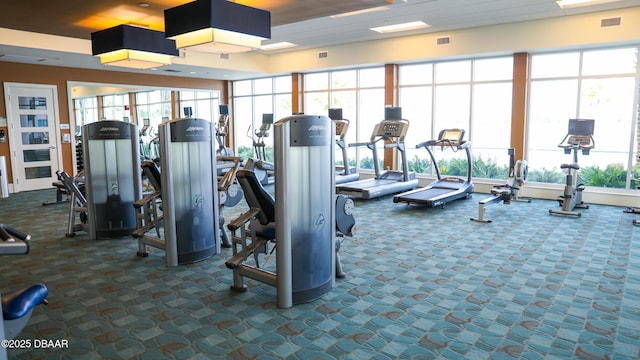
{"points": [[263, 169], [221, 132], [578, 137]]}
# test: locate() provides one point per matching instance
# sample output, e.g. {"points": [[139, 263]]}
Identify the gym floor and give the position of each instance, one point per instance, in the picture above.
{"points": [[421, 283]]}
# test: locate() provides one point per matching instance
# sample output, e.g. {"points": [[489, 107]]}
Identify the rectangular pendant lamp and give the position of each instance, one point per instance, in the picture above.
{"points": [[217, 26], [133, 47]]}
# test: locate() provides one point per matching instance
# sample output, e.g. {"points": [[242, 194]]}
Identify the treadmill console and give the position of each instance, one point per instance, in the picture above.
{"points": [[391, 129], [452, 137], [341, 127]]}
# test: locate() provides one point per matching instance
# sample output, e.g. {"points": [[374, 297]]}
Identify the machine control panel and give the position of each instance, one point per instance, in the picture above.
{"points": [[450, 137], [341, 127], [392, 128]]}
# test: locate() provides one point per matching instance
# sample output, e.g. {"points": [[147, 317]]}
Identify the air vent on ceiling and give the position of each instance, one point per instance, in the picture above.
{"points": [[224, 56], [443, 40], [615, 21], [323, 55]]}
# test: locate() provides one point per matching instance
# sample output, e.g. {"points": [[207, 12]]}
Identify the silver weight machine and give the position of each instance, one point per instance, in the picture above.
{"points": [[184, 185], [302, 220], [111, 153]]}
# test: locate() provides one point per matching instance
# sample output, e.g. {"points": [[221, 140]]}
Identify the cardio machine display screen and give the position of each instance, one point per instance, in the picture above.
{"points": [[452, 135], [581, 126]]}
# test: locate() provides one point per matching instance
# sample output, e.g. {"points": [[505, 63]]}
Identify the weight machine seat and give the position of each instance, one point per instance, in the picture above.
{"points": [[152, 172], [570, 166], [18, 303], [257, 197]]}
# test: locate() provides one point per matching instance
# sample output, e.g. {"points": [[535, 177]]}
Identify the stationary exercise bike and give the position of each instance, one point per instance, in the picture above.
{"points": [[18, 305], [578, 138], [507, 192]]}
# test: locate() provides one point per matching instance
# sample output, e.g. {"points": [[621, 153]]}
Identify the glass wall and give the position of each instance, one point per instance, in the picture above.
{"points": [[252, 99], [86, 112], [116, 107], [592, 84], [360, 95], [154, 106], [474, 95], [200, 104]]}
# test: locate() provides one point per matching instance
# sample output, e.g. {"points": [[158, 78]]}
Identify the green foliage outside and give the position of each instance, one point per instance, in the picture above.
{"points": [[367, 163], [613, 176], [245, 152]]}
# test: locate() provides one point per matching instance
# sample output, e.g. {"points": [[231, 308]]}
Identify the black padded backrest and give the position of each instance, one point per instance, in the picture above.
{"points": [[256, 196], [152, 172]]}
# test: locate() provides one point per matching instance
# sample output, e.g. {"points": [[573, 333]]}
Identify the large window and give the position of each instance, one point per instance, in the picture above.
{"points": [[474, 95], [360, 95], [154, 107], [200, 104], [86, 112], [595, 84], [252, 99], [116, 107]]}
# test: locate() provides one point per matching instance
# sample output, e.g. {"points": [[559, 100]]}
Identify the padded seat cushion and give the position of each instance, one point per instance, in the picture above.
{"points": [[17, 304]]}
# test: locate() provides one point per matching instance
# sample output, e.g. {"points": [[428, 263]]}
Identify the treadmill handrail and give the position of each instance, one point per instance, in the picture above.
{"points": [[367, 143]]}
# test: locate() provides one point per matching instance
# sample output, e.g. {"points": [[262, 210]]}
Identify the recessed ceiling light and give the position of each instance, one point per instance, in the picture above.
{"points": [[279, 45], [359, 12], [401, 27], [567, 4], [143, 5]]}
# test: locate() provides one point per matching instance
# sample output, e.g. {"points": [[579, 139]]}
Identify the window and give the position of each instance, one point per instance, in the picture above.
{"points": [[86, 111], [356, 92], [252, 99], [116, 107], [203, 104], [594, 84], [474, 95], [154, 106]]}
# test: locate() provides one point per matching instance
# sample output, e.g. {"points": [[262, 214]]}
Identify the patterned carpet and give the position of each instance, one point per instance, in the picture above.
{"points": [[421, 284]]}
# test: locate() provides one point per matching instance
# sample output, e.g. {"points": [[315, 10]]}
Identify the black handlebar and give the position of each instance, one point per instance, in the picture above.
{"points": [[7, 233]]}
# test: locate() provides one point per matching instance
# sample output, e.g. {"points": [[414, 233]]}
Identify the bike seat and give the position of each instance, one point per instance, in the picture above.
{"points": [[18, 303], [570, 166]]}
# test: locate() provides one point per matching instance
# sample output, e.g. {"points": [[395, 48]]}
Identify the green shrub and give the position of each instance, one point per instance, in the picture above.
{"points": [[614, 176], [545, 175]]}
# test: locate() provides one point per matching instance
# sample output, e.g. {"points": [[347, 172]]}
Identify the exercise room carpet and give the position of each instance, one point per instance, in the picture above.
{"points": [[421, 284]]}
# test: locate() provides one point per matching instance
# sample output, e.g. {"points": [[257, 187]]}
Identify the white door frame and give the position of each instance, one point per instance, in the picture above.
{"points": [[14, 139]]}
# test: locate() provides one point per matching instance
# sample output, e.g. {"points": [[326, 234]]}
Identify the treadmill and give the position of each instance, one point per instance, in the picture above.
{"points": [[344, 173], [389, 181], [447, 189]]}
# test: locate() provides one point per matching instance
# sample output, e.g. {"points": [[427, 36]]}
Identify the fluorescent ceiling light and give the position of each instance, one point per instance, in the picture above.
{"points": [[567, 4], [279, 45], [401, 27], [359, 12]]}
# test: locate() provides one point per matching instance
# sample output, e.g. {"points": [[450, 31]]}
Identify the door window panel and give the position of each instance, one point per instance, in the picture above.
{"points": [[34, 120], [37, 172], [35, 138], [32, 103], [36, 155]]}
